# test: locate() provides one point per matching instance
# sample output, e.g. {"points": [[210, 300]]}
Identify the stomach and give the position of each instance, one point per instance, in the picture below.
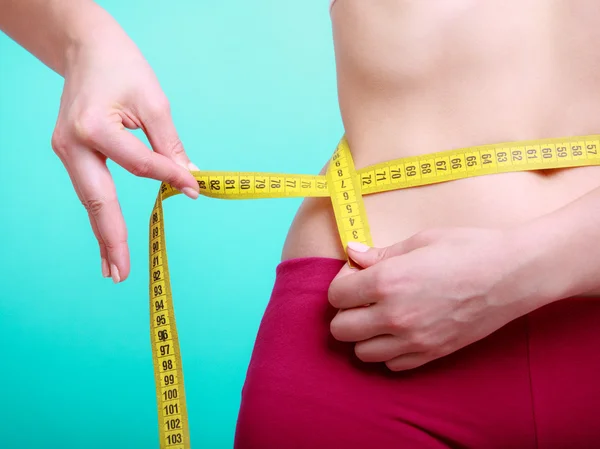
{"points": [[420, 77]]}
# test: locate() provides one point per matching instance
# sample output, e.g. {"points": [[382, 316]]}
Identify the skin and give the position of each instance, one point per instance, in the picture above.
{"points": [[454, 262], [105, 93]]}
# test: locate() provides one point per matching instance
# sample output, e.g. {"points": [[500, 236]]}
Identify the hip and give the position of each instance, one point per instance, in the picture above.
{"points": [[530, 384]]}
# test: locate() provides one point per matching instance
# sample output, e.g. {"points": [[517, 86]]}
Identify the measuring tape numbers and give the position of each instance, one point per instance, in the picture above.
{"points": [[345, 186]]}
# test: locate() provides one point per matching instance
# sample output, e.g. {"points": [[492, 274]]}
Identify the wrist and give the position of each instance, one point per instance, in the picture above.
{"points": [[92, 34], [553, 253], [537, 275]]}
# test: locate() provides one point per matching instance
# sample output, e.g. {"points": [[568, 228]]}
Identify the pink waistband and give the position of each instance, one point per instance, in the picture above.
{"points": [[318, 272]]}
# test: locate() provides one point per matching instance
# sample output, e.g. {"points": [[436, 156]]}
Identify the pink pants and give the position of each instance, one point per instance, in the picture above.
{"points": [[535, 383]]}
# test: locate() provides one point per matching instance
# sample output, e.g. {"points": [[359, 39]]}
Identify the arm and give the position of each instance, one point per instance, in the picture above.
{"points": [[108, 87], [443, 289], [53, 30], [562, 249]]}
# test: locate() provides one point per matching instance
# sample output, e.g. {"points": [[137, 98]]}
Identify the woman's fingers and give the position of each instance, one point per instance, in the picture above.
{"points": [[98, 195], [84, 154], [103, 252], [118, 144], [357, 324], [383, 348], [409, 361]]}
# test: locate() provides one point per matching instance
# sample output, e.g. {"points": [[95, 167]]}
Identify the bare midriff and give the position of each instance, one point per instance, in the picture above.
{"points": [[416, 77]]}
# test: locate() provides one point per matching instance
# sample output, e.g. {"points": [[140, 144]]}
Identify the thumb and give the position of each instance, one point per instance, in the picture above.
{"points": [[366, 256]]}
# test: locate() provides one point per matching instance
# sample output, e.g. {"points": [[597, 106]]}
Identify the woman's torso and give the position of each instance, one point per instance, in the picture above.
{"points": [[419, 77]]}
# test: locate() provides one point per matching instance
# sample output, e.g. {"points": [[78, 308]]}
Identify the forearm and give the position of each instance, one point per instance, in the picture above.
{"points": [[55, 30], [561, 250]]}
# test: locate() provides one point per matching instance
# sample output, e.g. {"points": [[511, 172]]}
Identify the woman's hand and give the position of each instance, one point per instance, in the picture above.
{"points": [[109, 86], [432, 294]]}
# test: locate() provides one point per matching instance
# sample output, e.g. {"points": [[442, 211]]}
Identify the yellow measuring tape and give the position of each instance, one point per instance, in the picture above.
{"points": [[345, 186]]}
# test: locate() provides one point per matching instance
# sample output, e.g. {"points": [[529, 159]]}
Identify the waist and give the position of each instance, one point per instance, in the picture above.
{"points": [[493, 201], [497, 200]]}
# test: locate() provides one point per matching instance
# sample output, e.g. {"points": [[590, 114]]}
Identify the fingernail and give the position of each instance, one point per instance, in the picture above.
{"points": [[190, 192], [192, 167], [105, 268], [114, 271], [356, 246]]}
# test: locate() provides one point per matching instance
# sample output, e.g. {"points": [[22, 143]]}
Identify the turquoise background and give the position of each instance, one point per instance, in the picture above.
{"points": [[252, 87]]}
